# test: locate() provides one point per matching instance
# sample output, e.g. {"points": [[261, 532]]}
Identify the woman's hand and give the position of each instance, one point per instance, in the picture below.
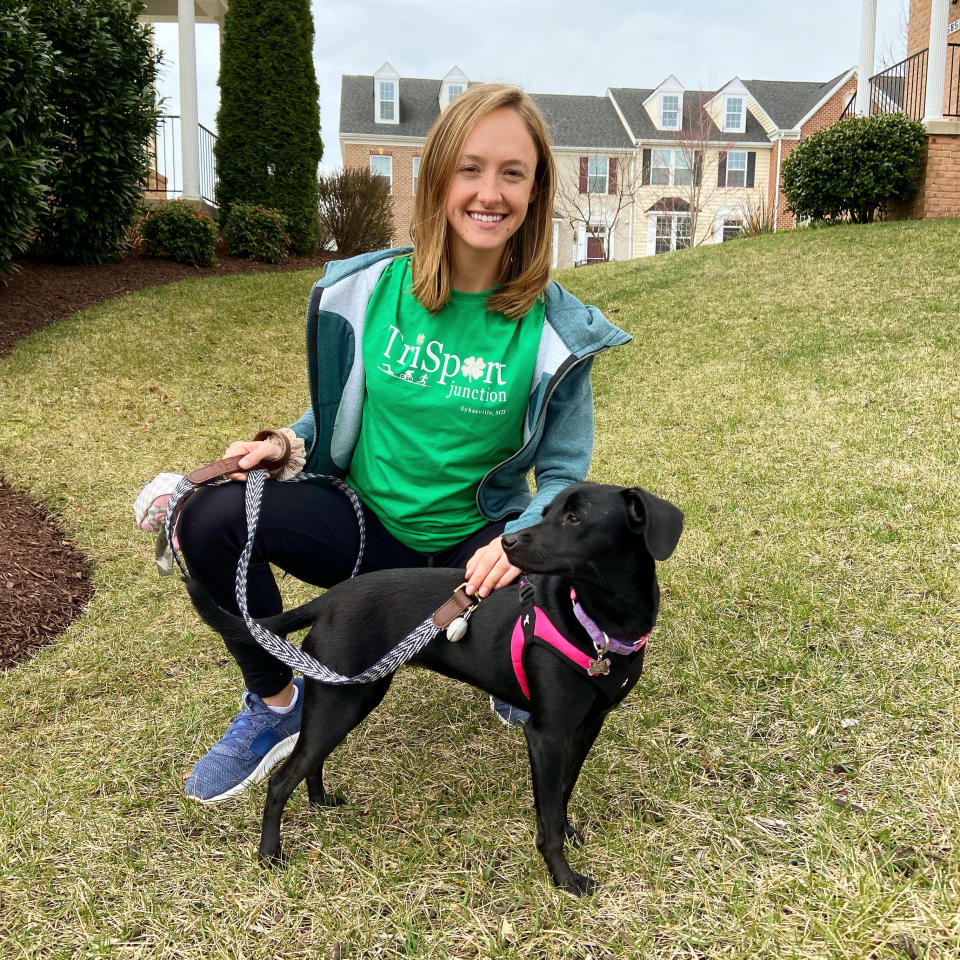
{"points": [[489, 569], [254, 453]]}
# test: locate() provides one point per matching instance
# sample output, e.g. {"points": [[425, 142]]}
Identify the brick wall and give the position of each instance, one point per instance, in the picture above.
{"points": [[357, 156], [939, 194], [827, 114], [918, 33]]}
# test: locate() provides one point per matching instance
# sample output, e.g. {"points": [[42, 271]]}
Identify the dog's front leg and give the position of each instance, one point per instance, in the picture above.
{"points": [[579, 744], [548, 762]]}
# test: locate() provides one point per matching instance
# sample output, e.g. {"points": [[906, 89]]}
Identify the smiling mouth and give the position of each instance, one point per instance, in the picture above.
{"points": [[487, 217]]}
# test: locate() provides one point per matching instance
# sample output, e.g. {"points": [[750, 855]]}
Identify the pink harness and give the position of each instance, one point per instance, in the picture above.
{"points": [[544, 629]]}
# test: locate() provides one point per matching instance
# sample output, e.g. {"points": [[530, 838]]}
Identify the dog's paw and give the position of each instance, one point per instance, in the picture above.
{"points": [[579, 885], [272, 859], [573, 835], [325, 799]]}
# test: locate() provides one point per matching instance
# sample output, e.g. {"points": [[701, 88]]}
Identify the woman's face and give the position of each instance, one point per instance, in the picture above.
{"points": [[491, 186]]}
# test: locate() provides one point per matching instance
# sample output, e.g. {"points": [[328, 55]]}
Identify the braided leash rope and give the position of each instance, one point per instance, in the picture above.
{"points": [[278, 646]]}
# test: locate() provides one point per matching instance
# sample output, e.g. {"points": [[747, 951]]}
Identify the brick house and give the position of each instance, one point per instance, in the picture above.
{"points": [[925, 86], [640, 171]]}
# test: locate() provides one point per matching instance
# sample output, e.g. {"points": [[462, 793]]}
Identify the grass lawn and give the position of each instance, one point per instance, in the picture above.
{"points": [[784, 782]]}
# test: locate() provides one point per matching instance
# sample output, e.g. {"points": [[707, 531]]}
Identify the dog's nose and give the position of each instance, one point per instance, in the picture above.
{"points": [[509, 540]]}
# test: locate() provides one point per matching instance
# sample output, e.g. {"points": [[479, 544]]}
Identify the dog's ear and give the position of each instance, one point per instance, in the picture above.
{"points": [[660, 522]]}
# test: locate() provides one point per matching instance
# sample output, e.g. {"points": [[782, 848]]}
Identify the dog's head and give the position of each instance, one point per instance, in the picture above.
{"points": [[590, 526]]}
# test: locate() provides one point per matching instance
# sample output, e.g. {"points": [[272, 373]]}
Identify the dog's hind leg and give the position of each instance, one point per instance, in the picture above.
{"points": [[329, 714]]}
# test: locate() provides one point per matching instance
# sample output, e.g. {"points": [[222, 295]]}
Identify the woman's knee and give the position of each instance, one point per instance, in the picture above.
{"points": [[212, 521]]}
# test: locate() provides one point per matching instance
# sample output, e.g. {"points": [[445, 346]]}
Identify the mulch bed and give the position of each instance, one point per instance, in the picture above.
{"points": [[44, 580]]}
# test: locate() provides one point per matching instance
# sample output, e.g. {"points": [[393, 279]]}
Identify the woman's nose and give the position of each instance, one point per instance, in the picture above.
{"points": [[488, 190]]}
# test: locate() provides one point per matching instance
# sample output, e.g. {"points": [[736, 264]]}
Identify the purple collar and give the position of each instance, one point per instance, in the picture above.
{"points": [[601, 641]]}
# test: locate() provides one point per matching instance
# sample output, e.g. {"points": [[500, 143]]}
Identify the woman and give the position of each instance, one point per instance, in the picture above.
{"points": [[438, 379]]}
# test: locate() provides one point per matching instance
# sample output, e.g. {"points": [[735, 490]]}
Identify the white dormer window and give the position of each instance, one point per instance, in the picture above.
{"points": [[670, 111], [387, 101], [734, 115], [386, 95], [451, 86]]}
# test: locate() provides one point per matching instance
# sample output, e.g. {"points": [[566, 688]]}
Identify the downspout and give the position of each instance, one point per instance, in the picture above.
{"points": [[633, 204], [776, 198]]}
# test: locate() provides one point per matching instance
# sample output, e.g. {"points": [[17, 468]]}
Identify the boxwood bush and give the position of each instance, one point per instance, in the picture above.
{"points": [[180, 233], [258, 233], [854, 168]]}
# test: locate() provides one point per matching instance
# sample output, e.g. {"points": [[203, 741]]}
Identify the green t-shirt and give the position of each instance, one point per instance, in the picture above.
{"points": [[444, 403]]}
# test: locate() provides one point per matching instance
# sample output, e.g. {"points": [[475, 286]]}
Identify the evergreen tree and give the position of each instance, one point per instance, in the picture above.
{"points": [[268, 125]]}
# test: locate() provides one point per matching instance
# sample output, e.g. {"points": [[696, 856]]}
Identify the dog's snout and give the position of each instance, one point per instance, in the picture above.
{"points": [[509, 541]]}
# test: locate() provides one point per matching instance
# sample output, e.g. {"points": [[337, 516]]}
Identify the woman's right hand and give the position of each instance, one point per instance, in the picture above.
{"points": [[254, 452]]}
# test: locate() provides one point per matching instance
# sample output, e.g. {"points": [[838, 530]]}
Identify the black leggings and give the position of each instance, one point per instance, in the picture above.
{"points": [[308, 529]]}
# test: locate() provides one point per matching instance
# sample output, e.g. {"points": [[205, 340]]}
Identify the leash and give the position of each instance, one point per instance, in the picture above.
{"points": [[461, 606]]}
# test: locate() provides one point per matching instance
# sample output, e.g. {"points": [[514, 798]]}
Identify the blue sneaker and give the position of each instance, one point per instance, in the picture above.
{"points": [[257, 740], [507, 715]]}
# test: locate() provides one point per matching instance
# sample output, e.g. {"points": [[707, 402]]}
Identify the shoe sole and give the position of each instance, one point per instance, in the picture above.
{"points": [[279, 752]]}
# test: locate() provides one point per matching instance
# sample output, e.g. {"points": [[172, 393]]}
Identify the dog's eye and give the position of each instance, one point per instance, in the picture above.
{"points": [[570, 517]]}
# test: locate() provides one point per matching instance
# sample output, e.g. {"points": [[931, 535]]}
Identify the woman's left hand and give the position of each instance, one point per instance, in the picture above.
{"points": [[489, 569]]}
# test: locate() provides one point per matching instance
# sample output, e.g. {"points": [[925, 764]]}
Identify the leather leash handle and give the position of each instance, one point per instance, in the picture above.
{"points": [[223, 468]]}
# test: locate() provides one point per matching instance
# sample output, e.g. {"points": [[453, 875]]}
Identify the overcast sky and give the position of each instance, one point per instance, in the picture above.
{"points": [[561, 46]]}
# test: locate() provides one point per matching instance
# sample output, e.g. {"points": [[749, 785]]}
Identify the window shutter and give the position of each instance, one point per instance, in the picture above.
{"points": [[645, 170], [583, 175], [697, 167], [612, 176], [751, 167], [722, 168]]}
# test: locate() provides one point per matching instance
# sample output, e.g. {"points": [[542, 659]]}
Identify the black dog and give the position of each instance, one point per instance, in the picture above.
{"points": [[598, 540]]}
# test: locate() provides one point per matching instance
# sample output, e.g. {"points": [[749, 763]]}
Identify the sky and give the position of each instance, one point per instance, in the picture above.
{"points": [[562, 46]]}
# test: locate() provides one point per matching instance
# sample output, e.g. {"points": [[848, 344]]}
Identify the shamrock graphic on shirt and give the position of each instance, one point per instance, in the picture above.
{"points": [[473, 368]]}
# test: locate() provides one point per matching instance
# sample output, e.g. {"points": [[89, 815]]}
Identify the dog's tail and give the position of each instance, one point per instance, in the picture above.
{"points": [[232, 627]]}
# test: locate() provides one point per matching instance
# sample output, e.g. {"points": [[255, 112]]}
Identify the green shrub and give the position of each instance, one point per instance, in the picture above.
{"points": [[103, 93], [258, 233], [268, 125], [355, 211], [26, 141], [180, 233], [854, 168]]}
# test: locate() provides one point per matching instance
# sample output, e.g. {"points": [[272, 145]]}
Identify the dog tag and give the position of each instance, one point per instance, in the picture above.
{"points": [[456, 630], [598, 667]]}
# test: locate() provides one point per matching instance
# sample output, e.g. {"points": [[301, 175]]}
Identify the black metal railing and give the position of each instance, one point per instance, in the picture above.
{"points": [[902, 88], [166, 178], [951, 99]]}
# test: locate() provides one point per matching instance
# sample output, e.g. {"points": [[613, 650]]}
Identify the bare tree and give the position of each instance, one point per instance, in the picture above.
{"points": [[698, 164], [604, 187]]}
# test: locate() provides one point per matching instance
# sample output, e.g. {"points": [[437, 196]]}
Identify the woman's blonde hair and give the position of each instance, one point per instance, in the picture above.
{"points": [[525, 268]]}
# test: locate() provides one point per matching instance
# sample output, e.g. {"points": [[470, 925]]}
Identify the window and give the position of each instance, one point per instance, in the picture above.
{"points": [[416, 173], [381, 166], [670, 111], [731, 230], [597, 168], [737, 168], [661, 165], [454, 91], [387, 101], [671, 233], [733, 114], [670, 168]]}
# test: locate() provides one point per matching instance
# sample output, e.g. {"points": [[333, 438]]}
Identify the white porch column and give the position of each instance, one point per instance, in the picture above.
{"points": [[937, 60], [868, 39], [189, 136]]}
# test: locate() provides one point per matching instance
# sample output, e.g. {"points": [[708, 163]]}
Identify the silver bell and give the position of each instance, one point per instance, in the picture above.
{"points": [[456, 630]]}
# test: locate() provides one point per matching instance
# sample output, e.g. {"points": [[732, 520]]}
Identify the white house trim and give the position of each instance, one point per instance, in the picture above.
{"points": [[852, 72], [455, 78]]}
